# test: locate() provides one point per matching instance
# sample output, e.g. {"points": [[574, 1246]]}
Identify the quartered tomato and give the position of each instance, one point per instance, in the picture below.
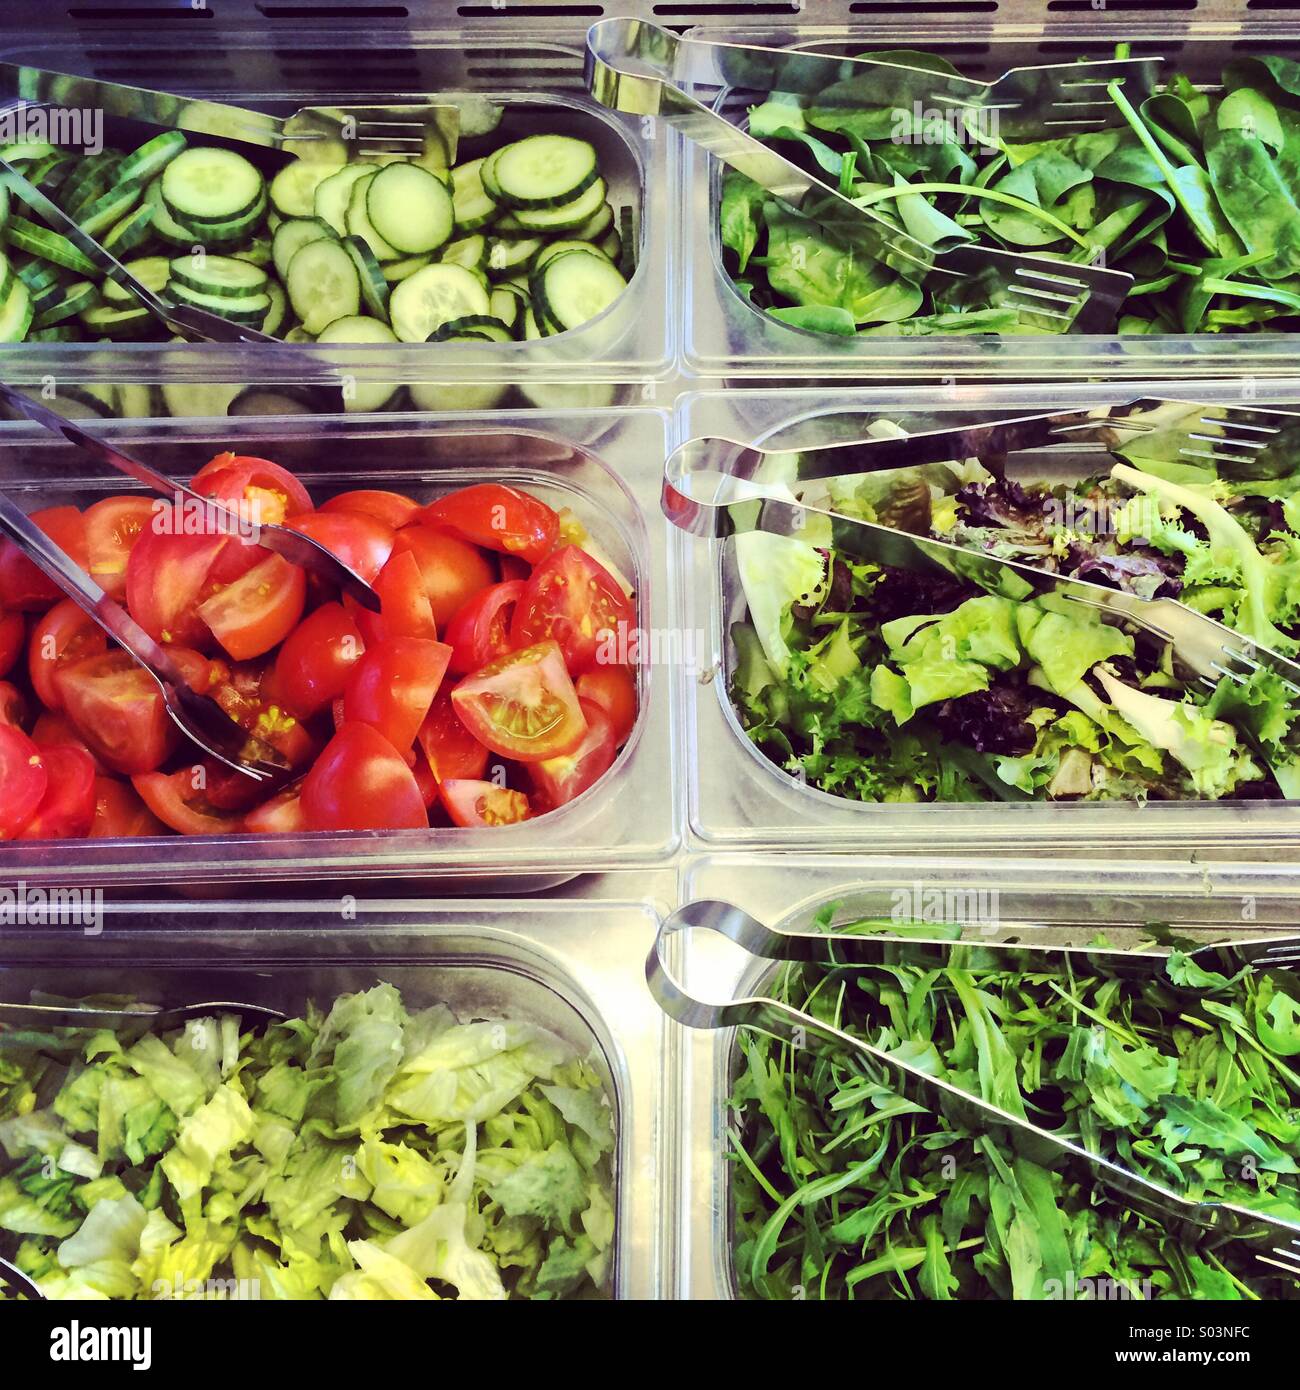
{"points": [[13, 705], [25, 587], [523, 705], [393, 685], [243, 698], [613, 688], [472, 804], [184, 806], [112, 528], [312, 667], [391, 508], [120, 812], [425, 780], [282, 815], [497, 518], [361, 542], [53, 730], [480, 631], [558, 781], [257, 488], [63, 635], [13, 633], [165, 581], [259, 610], [23, 780], [361, 782], [118, 709], [453, 571], [68, 806], [201, 673], [405, 610], [448, 746], [576, 601]]}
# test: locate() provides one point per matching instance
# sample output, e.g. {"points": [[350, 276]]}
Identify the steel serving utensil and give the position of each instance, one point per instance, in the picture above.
{"points": [[12, 1276], [641, 69], [1280, 1240]]}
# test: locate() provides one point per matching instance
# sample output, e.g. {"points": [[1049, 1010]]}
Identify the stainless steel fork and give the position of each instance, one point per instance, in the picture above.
{"points": [[633, 66], [1279, 1240]]}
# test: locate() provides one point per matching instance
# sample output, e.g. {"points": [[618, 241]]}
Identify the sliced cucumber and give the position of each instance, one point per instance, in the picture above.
{"points": [[27, 151], [611, 245], [164, 225], [567, 215], [292, 235], [269, 400], [473, 325], [249, 310], [257, 252], [153, 272], [583, 395], [111, 321], [410, 209], [71, 300], [509, 228], [506, 305], [235, 232], [206, 185], [574, 288], [15, 312], [152, 157], [135, 400], [545, 171], [92, 179], [505, 257], [359, 223], [293, 189], [323, 284], [199, 401], [469, 251], [330, 201], [131, 233], [279, 310], [38, 275], [487, 174], [422, 303], [227, 277], [463, 396], [298, 334], [368, 395], [562, 247], [474, 207], [49, 246], [374, 288], [596, 225], [395, 271], [60, 333]]}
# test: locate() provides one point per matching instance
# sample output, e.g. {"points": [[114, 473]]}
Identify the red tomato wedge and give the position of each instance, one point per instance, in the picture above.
{"points": [[118, 709], [472, 804], [68, 806], [243, 698], [613, 688], [361, 542], [13, 705], [53, 730], [182, 805], [575, 600], [165, 579], [23, 780], [259, 610], [480, 631], [282, 815], [557, 781], [112, 528], [256, 488], [448, 746], [393, 685], [361, 782], [312, 667], [523, 705], [391, 508], [453, 571], [497, 518], [13, 634], [405, 610], [63, 635], [25, 587], [120, 812]]}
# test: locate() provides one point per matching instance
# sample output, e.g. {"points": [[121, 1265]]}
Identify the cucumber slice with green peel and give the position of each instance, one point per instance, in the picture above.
{"points": [[109, 209], [16, 312], [52, 173], [435, 157], [293, 189], [152, 157], [136, 400], [567, 215], [111, 321], [248, 310], [473, 206], [72, 300], [38, 275], [359, 223], [269, 400], [374, 288], [292, 235], [227, 277], [506, 305], [8, 274], [531, 329], [545, 171], [469, 251], [368, 395], [164, 225], [27, 151], [478, 325], [199, 401], [611, 245], [423, 302], [560, 248], [93, 178], [466, 335], [396, 271], [85, 402], [235, 232], [410, 209], [131, 233], [49, 246], [257, 252], [462, 395], [323, 285], [279, 310], [487, 174], [505, 257], [509, 228], [626, 227], [153, 272], [330, 201], [59, 333], [298, 334], [582, 395], [571, 290], [596, 225], [206, 185]]}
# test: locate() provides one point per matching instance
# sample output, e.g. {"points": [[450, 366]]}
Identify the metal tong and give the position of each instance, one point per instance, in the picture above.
{"points": [[639, 68], [1188, 431], [1281, 1239]]}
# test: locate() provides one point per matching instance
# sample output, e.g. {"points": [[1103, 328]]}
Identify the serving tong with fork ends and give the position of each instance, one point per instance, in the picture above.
{"points": [[706, 477], [639, 68], [1278, 1241]]}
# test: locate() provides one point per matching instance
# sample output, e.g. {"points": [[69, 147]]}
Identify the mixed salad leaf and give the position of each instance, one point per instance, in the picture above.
{"points": [[881, 684], [843, 1189], [1195, 193], [368, 1153]]}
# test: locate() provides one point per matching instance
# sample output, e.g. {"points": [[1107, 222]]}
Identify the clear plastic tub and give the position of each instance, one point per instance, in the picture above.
{"points": [[605, 466], [727, 337], [536, 78], [1049, 900], [738, 798], [574, 968]]}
